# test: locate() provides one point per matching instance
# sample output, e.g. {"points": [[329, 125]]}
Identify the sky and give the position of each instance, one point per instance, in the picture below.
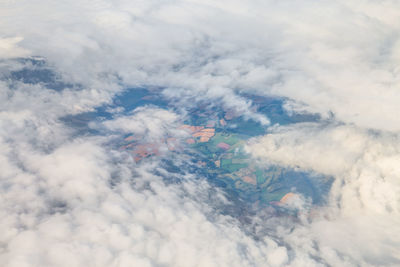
{"points": [[70, 200]]}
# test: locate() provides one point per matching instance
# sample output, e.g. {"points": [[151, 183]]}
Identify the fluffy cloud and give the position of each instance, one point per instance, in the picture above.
{"points": [[74, 201], [364, 200], [59, 208], [66, 202], [149, 123], [9, 48], [344, 66]]}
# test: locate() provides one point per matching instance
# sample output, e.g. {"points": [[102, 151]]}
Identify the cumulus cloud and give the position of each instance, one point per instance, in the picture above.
{"points": [[9, 48], [364, 200], [72, 200], [148, 122], [344, 66], [59, 208]]}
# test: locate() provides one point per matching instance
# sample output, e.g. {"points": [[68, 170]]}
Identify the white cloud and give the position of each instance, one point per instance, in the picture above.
{"points": [[148, 122], [58, 206], [364, 199], [345, 65], [335, 58], [9, 48], [60, 210]]}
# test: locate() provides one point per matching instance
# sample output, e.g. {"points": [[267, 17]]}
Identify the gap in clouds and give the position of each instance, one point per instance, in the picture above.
{"points": [[33, 71], [335, 60], [133, 102], [100, 130]]}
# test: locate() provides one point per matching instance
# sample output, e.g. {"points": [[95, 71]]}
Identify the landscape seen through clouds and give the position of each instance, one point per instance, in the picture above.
{"points": [[190, 133]]}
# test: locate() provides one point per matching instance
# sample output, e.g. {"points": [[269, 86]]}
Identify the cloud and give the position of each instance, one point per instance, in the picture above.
{"points": [[148, 122], [363, 202], [342, 66], [331, 150], [59, 209], [72, 200], [10, 49]]}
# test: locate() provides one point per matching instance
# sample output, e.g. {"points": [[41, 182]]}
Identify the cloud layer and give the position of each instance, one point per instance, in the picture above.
{"points": [[69, 200], [344, 66], [364, 200]]}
